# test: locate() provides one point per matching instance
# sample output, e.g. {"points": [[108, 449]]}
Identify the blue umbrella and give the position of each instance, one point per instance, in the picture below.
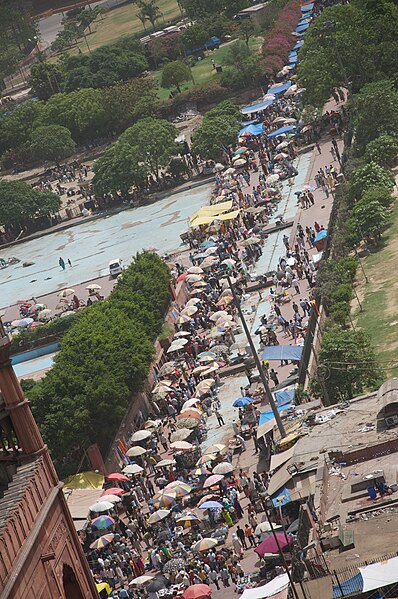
{"points": [[241, 402], [211, 505]]}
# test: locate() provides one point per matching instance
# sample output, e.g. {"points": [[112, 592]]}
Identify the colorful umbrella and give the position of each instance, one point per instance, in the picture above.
{"points": [[214, 479], [204, 544], [189, 310], [103, 586], [211, 505], [186, 520], [197, 591], [200, 472], [102, 541], [117, 476], [223, 468], [158, 516], [66, 292], [190, 413], [102, 522], [205, 385], [180, 488], [174, 565], [164, 498], [113, 491]]}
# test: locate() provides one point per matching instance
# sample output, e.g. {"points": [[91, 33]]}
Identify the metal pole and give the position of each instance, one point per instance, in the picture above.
{"points": [[258, 363], [357, 298], [281, 554], [361, 265]]}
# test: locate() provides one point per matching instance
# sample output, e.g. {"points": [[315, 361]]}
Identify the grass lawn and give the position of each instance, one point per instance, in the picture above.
{"points": [[203, 71], [122, 20], [379, 318]]}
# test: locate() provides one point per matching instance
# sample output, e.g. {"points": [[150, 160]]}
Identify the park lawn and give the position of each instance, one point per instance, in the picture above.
{"points": [[203, 71], [379, 318], [122, 21]]}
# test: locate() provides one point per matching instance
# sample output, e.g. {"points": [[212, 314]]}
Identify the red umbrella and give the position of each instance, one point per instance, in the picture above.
{"points": [[269, 544], [197, 591], [113, 491], [117, 476], [182, 277]]}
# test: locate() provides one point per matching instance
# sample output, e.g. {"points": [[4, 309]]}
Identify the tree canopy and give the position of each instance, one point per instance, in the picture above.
{"points": [[173, 74], [52, 142], [45, 79], [19, 202], [219, 128], [104, 359], [119, 169]]}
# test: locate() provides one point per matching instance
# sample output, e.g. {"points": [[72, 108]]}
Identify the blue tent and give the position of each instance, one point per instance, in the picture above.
{"points": [[256, 107], [281, 130], [252, 129], [246, 123], [292, 54], [351, 586], [298, 45], [279, 89], [321, 235], [285, 395], [301, 28], [282, 352], [307, 8], [267, 416], [293, 60]]}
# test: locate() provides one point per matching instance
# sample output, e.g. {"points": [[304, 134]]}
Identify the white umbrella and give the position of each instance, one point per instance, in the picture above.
{"points": [[240, 162], [140, 436], [136, 451], [93, 287], [194, 301], [101, 506], [190, 403], [195, 270], [182, 334], [219, 167], [272, 179], [144, 579], [113, 498], [193, 278], [132, 469], [164, 463], [223, 468], [230, 171], [43, 314], [291, 91], [189, 310]]}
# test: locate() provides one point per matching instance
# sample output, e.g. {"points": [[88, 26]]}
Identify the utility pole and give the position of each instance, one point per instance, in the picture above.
{"points": [[263, 378]]}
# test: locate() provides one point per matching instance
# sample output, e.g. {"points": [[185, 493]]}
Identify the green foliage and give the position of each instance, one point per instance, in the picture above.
{"points": [[367, 177], [16, 128], [19, 202], [173, 74], [119, 169], [379, 194], [244, 70], [202, 9], [383, 150], [219, 128], [364, 44], [45, 79], [16, 27], [334, 275], [149, 10], [246, 30], [347, 364], [376, 113], [154, 139], [194, 37], [52, 142], [104, 359], [369, 219], [46, 333], [126, 103]]}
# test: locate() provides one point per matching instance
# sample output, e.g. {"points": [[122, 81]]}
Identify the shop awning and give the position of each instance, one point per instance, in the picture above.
{"points": [[279, 89], [256, 107], [282, 352], [276, 585], [252, 129], [379, 575], [210, 211], [206, 219], [282, 130], [278, 459], [266, 422]]}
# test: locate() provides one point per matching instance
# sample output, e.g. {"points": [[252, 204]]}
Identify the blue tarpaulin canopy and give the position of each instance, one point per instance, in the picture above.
{"points": [[282, 497], [307, 8], [246, 123], [293, 60], [279, 89], [282, 130], [267, 416], [321, 235], [298, 45], [256, 107], [301, 28], [292, 54], [252, 129], [282, 352], [348, 587], [285, 395]]}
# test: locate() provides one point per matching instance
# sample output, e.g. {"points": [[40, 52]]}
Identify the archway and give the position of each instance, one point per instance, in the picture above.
{"points": [[70, 583]]}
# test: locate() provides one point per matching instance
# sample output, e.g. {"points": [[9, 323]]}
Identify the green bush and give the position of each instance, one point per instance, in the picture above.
{"points": [[49, 332], [383, 150], [369, 176], [104, 359]]}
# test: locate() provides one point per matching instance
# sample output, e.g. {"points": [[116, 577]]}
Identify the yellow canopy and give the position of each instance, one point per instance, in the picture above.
{"points": [[104, 585], [85, 480], [229, 215], [213, 210]]}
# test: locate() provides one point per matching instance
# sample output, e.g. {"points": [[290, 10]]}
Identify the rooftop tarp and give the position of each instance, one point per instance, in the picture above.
{"points": [[282, 352], [279, 89], [278, 459], [307, 7], [348, 587], [267, 590], [281, 131], [267, 421], [380, 574], [256, 107], [85, 480], [285, 396], [252, 129], [267, 416]]}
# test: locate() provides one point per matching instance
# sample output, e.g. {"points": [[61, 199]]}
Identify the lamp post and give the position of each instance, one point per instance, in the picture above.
{"points": [[263, 378]]}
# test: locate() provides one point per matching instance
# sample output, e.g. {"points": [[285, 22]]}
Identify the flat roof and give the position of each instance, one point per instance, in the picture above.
{"points": [[253, 9]]}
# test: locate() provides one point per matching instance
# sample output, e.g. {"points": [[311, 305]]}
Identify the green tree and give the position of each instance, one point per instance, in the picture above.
{"points": [[45, 79], [52, 142], [126, 103], [16, 27], [173, 74], [370, 219], [19, 203], [155, 140], [150, 9], [16, 128], [347, 364], [193, 37], [379, 194], [246, 30], [210, 138], [369, 120], [367, 177], [119, 169], [383, 150]]}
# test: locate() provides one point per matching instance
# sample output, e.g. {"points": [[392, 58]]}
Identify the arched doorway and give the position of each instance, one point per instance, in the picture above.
{"points": [[71, 584]]}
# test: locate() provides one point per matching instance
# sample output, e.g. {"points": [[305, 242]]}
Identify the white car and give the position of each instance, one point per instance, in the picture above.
{"points": [[115, 267]]}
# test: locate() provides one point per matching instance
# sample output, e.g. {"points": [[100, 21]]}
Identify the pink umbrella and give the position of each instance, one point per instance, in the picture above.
{"points": [[113, 491], [269, 544], [214, 479]]}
